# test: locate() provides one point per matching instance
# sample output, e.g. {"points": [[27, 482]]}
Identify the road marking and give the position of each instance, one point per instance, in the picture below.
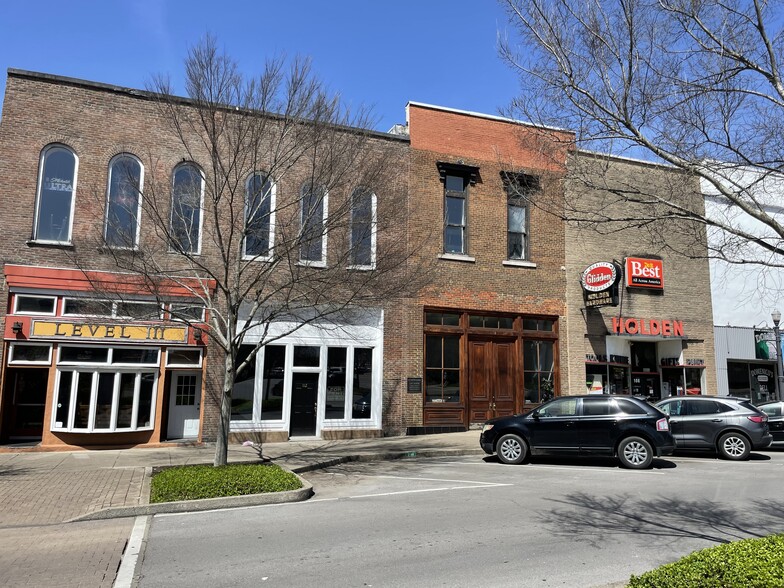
{"points": [[127, 568], [428, 490]]}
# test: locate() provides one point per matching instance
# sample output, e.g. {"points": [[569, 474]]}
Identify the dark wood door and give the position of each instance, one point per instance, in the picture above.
{"points": [[492, 379]]}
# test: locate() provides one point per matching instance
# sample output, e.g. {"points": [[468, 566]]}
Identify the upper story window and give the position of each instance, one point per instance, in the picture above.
{"points": [[29, 304], [123, 202], [363, 229], [187, 198], [259, 216], [313, 247], [55, 199], [519, 188], [455, 197]]}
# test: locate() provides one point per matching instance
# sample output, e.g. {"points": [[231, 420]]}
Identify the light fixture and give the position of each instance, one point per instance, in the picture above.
{"points": [[17, 327], [776, 316]]}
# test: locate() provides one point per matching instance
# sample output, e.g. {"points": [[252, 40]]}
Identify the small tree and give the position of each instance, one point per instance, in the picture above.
{"points": [[293, 208], [696, 85]]}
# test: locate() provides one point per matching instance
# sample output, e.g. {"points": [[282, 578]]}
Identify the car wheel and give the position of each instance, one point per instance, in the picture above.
{"points": [[635, 453], [734, 446], [511, 449]]}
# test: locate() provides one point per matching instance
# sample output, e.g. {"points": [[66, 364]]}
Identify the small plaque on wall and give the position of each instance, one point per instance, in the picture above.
{"points": [[414, 385]]}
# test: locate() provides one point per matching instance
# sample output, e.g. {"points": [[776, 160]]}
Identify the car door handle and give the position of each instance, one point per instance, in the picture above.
{"points": [[716, 420]]}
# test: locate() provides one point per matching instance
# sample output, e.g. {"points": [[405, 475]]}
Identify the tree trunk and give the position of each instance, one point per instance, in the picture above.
{"points": [[222, 442]]}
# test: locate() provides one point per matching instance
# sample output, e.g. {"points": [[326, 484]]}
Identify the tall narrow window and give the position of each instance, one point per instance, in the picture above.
{"points": [[123, 202], [519, 189], [187, 195], [313, 247], [363, 229], [455, 192], [55, 199], [259, 215]]}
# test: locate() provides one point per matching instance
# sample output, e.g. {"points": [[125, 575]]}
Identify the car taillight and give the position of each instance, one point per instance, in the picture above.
{"points": [[662, 425], [758, 419]]}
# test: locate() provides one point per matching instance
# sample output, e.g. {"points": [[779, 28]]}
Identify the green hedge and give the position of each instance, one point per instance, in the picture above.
{"points": [[750, 563], [204, 481]]}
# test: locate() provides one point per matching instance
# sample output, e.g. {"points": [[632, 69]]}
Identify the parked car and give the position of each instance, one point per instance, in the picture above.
{"points": [[775, 412], [731, 426], [596, 424]]}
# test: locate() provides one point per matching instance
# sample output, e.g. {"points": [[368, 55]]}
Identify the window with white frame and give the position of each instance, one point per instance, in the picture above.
{"points": [[519, 189], [123, 202], [183, 311], [455, 203], [128, 309], [259, 215], [313, 244], [363, 229], [187, 204], [29, 354], [27, 304], [183, 357], [103, 390], [55, 199]]}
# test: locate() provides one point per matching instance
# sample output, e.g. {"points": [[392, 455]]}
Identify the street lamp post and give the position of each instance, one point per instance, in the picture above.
{"points": [[776, 316]]}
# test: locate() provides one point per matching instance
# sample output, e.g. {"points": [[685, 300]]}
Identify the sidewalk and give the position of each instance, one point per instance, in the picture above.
{"points": [[38, 488]]}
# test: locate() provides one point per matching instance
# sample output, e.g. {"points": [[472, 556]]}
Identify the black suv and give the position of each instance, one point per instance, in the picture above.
{"points": [[729, 425], [621, 426]]}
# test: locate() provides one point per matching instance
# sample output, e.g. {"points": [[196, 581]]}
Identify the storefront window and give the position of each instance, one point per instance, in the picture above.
{"points": [[595, 379], [272, 382], [538, 366], [363, 384], [738, 379], [335, 406], [442, 368], [672, 382], [693, 381], [244, 381], [30, 354]]}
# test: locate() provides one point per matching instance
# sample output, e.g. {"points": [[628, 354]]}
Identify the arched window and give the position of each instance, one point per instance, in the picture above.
{"points": [[363, 229], [187, 195], [55, 199], [313, 244], [259, 215], [123, 203]]}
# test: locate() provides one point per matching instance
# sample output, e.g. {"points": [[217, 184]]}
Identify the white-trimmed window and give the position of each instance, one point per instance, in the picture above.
{"points": [[455, 203], [183, 357], [362, 254], [259, 216], [28, 304], [105, 389], [128, 309], [187, 205], [54, 203], [123, 202], [29, 354], [519, 189], [180, 311], [313, 244]]}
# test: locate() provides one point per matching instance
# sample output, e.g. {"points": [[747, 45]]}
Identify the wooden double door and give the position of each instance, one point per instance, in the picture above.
{"points": [[492, 379]]}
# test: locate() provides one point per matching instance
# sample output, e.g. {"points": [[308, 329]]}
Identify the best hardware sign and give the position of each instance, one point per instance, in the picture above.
{"points": [[644, 273], [600, 284]]}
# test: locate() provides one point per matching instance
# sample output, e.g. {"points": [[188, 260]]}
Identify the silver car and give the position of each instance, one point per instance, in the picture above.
{"points": [[731, 426]]}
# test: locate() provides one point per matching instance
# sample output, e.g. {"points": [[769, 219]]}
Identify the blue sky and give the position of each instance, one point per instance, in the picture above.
{"points": [[374, 52]]}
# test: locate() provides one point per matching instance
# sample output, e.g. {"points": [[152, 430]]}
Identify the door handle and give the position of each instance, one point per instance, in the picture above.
{"points": [[716, 420]]}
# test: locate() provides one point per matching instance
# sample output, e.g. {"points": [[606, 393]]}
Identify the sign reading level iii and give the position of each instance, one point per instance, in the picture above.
{"points": [[644, 273], [174, 334]]}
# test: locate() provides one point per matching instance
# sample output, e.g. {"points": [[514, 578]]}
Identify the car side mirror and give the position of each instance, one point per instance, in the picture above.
{"points": [[535, 415]]}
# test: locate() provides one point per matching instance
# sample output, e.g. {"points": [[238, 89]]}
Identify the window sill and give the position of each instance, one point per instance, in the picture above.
{"points": [[518, 263], [110, 249], [260, 258], [51, 244], [361, 268], [320, 264], [457, 257]]}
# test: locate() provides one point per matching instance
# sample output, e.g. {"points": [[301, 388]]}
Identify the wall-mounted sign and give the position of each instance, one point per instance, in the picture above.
{"points": [[600, 358], [103, 331], [413, 385], [600, 284], [765, 345], [644, 273], [641, 326]]}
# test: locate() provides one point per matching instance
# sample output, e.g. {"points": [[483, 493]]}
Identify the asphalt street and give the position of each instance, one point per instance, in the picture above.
{"points": [[471, 521]]}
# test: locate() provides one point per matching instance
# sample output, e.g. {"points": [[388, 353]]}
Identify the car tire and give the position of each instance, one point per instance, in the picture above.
{"points": [[734, 446], [635, 453], [511, 449]]}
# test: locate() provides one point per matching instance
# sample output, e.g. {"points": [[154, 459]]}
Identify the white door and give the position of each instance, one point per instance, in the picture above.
{"points": [[184, 403]]}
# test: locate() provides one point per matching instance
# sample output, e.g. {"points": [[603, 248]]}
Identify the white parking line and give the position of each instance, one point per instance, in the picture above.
{"points": [[127, 568]]}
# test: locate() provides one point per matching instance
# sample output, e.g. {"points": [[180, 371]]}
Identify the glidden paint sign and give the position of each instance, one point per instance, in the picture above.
{"points": [[599, 276], [641, 326], [644, 273]]}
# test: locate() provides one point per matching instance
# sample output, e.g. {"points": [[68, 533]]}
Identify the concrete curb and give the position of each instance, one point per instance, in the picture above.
{"points": [[303, 493]]}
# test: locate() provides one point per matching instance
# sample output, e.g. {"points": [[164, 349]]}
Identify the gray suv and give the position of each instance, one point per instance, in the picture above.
{"points": [[731, 426]]}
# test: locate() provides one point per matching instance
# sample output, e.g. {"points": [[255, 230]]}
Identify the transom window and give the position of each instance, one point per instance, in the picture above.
{"points": [[24, 304], [55, 198], [187, 198], [363, 229], [313, 246], [132, 309], [123, 202], [259, 216], [26, 353]]}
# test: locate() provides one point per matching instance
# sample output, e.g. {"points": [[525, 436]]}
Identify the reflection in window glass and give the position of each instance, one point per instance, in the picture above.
{"points": [[87, 307], [55, 195], [125, 401], [531, 324], [258, 215], [30, 353], [313, 217], [184, 357], [563, 407], [335, 407], [442, 368], [63, 408], [84, 385], [244, 382], [362, 227], [146, 388], [363, 383], [84, 354], [538, 370], [147, 311], [34, 305], [442, 318], [272, 382], [145, 356], [103, 403], [187, 189], [122, 208], [306, 356]]}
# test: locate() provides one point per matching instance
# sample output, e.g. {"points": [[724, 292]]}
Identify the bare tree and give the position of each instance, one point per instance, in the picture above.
{"points": [[287, 207], [693, 84]]}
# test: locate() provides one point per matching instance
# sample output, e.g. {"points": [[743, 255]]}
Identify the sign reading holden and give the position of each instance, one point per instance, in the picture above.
{"points": [[644, 273], [600, 284]]}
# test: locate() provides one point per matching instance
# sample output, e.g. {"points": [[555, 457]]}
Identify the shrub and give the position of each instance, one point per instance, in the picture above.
{"points": [[750, 563], [205, 481]]}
